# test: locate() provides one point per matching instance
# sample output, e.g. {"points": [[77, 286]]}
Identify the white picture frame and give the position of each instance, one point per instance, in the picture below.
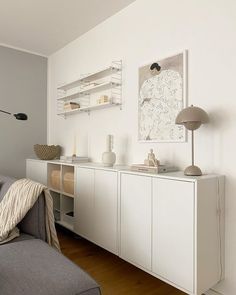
{"points": [[165, 64]]}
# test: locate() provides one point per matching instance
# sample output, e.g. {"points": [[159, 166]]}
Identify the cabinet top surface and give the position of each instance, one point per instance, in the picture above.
{"points": [[91, 165], [178, 175]]}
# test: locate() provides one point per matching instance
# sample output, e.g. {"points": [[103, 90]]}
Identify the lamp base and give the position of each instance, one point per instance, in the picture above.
{"points": [[193, 171]]}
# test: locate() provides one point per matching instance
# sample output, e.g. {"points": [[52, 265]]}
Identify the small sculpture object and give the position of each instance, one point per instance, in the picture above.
{"points": [[151, 160], [109, 157]]}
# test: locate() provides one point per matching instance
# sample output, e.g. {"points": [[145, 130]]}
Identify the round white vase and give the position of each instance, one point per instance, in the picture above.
{"points": [[108, 159]]}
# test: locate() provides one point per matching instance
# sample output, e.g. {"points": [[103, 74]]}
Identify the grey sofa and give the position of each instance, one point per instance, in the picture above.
{"points": [[29, 266]]}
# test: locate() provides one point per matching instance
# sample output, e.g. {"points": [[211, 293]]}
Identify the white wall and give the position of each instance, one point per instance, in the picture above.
{"points": [[23, 88], [145, 31]]}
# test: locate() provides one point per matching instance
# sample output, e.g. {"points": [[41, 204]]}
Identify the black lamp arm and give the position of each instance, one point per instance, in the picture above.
{"points": [[5, 112]]}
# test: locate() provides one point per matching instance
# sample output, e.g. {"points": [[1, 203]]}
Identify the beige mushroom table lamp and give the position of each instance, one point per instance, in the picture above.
{"points": [[192, 118]]}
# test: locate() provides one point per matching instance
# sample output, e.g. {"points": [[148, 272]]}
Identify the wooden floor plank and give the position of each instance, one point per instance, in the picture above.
{"points": [[114, 275]]}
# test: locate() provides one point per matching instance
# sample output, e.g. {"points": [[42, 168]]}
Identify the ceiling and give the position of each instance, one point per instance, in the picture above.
{"points": [[44, 26]]}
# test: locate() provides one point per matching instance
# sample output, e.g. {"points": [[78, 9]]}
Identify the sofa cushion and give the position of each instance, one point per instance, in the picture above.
{"points": [[34, 221], [32, 267], [22, 237]]}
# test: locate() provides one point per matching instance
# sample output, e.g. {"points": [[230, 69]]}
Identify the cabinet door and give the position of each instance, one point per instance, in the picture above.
{"points": [[173, 231], [84, 202], [105, 210], [136, 199], [37, 171]]}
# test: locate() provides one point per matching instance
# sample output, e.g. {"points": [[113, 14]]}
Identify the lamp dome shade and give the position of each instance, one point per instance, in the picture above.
{"points": [[192, 117], [21, 116]]}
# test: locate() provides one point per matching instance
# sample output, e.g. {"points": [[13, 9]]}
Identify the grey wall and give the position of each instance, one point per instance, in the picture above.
{"points": [[23, 88]]}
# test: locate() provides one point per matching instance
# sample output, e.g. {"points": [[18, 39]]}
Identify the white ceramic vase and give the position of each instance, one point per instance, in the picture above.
{"points": [[109, 157]]}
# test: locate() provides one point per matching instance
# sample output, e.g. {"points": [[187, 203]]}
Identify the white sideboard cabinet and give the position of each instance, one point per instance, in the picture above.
{"points": [[84, 204], [96, 207], [173, 231], [170, 225], [92, 210], [136, 219], [37, 170]]}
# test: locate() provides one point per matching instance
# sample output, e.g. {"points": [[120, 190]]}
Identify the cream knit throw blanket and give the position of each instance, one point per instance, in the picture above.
{"points": [[18, 200]]}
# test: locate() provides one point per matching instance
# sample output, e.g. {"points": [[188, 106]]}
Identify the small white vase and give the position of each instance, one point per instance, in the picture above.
{"points": [[109, 157]]}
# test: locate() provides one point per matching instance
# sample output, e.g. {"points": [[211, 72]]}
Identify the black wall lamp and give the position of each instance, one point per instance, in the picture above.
{"points": [[18, 116]]}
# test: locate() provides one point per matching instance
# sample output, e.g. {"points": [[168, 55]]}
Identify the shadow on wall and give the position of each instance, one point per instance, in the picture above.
{"points": [[221, 122], [220, 119], [125, 150]]}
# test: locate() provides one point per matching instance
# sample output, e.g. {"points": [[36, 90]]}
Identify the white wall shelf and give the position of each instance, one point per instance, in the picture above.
{"points": [[94, 76], [87, 91], [90, 108]]}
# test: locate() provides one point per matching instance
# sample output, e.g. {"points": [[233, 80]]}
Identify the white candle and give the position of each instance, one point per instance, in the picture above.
{"points": [[74, 152]]}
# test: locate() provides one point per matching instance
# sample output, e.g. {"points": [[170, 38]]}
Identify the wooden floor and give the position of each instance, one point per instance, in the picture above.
{"points": [[114, 275]]}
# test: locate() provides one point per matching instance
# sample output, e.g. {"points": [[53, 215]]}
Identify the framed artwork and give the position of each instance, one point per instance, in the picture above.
{"points": [[162, 95]]}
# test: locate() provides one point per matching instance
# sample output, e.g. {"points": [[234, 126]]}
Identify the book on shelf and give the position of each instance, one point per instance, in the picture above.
{"points": [[74, 159], [153, 169]]}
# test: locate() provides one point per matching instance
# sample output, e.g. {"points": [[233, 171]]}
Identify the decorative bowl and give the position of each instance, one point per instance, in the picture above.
{"points": [[47, 152]]}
